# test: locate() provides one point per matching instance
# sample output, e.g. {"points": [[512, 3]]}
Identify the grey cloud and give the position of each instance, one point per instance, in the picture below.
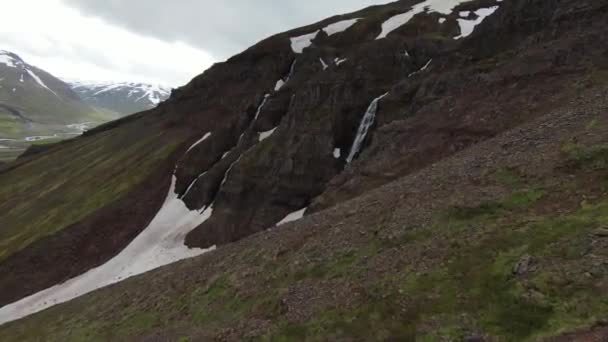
{"points": [[222, 28]]}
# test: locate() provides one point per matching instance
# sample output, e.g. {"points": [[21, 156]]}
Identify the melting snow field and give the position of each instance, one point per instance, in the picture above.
{"points": [[340, 26], [279, 85], [205, 137], [296, 215], [7, 60], [39, 81], [160, 243], [298, 44], [337, 153], [267, 134], [467, 26], [440, 6]]}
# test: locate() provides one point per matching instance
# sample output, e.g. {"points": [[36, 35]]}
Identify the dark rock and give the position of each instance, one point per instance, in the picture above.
{"points": [[523, 266]]}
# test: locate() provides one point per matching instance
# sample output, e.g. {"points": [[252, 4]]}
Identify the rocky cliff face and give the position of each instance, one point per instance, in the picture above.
{"points": [[277, 151], [271, 131]]}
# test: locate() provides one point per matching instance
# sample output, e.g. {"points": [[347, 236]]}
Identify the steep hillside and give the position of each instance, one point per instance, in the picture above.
{"points": [[124, 98], [36, 106], [445, 162]]}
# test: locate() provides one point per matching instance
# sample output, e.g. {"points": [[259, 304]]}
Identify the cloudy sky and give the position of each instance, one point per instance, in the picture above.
{"points": [[158, 41]]}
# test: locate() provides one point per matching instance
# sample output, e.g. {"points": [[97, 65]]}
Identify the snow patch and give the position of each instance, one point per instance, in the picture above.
{"points": [[298, 44], [467, 26], [39, 81], [323, 64], [160, 243], [279, 85], [337, 153], [296, 215], [7, 60], [267, 134], [442, 20], [340, 26], [260, 107], [426, 66], [339, 61], [283, 81], [440, 6], [205, 137]]}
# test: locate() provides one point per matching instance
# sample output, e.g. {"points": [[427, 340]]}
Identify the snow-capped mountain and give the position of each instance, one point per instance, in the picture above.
{"points": [[35, 105], [121, 97]]}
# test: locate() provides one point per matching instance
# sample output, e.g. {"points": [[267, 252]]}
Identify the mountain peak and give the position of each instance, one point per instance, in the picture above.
{"points": [[11, 59], [122, 97]]}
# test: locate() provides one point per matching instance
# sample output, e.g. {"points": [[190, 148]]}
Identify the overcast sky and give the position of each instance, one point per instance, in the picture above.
{"points": [[158, 41]]}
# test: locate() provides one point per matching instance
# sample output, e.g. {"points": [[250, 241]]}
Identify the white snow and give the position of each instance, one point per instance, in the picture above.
{"points": [[225, 179], [205, 137], [260, 107], [337, 153], [7, 60], [442, 20], [340, 26], [21, 78], [323, 64], [339, 61], [426, 66], [406, 54], [267, 134], [440, 6], [296, 215], [465, 14], [225, 154], [160, 243], [467, 26], [283, 81], [14, 90], [366, 123], [192, 184], [39, 81], [298, 44], [151, 92], [279, 85]]}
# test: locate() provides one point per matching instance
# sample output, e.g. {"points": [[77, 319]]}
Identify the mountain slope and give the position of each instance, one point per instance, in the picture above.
{"points": [[468, 201], [35, 104], [124, 98]]}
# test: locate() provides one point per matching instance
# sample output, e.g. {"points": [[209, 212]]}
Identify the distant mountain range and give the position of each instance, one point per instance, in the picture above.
{"points": [[123, 97], [37, 107]]}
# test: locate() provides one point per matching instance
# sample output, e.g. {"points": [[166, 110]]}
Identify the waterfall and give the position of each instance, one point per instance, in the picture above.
{"points": [[257, 113], [366, 124]]}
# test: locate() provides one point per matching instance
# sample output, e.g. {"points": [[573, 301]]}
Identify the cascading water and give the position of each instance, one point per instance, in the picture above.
{"points": [[366, 124], [261, 106]]}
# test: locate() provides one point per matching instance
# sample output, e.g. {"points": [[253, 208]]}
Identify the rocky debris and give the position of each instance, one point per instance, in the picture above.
{"points": [[523, 266], [600, 232]]}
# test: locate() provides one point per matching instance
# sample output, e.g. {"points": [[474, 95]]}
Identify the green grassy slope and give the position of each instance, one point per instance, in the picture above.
{"points": [[75, 180], [505, 240]]}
